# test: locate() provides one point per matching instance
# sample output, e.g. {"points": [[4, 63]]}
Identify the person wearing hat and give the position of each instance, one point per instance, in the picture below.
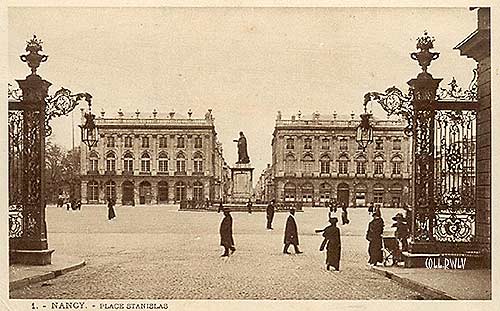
{"points": [[226, 233], [374, 236], [402, 231], [270, 215], [291, 234], [332, 244]]}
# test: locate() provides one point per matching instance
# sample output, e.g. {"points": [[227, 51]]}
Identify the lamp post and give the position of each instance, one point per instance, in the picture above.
{"points": [[90, 133], [364, 131]]}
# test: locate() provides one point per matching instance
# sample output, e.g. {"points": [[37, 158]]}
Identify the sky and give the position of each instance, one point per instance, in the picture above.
{"points": [[244, 63]]}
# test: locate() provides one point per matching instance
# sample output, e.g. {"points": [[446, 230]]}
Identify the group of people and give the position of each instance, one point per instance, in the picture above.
{"points": [[69, 201], [331, 234]]}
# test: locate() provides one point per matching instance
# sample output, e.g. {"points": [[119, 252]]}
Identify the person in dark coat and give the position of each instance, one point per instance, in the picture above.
{"points": [[291, 234], [374, 236], [345, 219], [332, 244], [111, 210], [402, 232], [270, 215], [226, 233], [370, 208], [249, 206], [221, 207]]}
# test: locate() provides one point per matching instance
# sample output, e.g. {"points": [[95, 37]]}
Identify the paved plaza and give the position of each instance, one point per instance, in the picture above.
{"points": [[158, 252]]}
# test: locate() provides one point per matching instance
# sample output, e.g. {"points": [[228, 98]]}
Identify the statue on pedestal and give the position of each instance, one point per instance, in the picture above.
{"points": [[242, 150]]}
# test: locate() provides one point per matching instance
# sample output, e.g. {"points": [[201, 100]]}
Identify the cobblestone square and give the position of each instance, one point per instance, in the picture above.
{"points": [[158, 252]]}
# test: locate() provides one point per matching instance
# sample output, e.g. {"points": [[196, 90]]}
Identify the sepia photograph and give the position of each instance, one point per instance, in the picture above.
{"points": [[162, 155]]}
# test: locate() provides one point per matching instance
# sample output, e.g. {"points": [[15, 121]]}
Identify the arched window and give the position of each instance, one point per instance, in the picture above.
{"points": [[198, 163], [378, 165], [144, 192], [180, 191], [361, 165], [93, 191], [307, 192], [290, 164], [396, 165], [289, 192], [396, 194], [307, 163], [325, 191], [180, 166], [128, 162], [343, 165], [360, 194], [110, 162], [325, 164], [93, 162], [110, 187], [163, 162], [145, 162], [198, 191]]}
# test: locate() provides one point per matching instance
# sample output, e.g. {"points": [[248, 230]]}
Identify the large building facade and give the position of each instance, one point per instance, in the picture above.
{"points": [[318, 159], [153, 160]]}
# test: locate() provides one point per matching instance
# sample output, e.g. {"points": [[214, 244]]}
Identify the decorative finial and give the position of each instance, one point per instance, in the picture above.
{"points": [[171, 113], [154, 113], [190, 113], [102, 112], [424, 56], [34, 59], [137, 113]]}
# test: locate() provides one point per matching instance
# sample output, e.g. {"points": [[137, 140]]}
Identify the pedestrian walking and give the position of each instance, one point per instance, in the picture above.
{"points": [[111, 210], [249, 206], [374, 236], [226, 233], [291, 234], [345, 218], [270, 215], [221, 207], [332, 244], [335, 205]]}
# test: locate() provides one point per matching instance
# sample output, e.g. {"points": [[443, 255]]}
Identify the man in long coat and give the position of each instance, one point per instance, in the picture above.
{"points": [[270, 215], [332, 241], [226, 233], [291, 234], [374, 235]]}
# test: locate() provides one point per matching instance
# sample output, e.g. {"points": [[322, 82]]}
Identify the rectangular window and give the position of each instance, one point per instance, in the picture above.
{"points": [[145, 165], [110, 141], [93, 165], [198, 142], [307, 143], [325, 144], [360, 167], [379, 168], [290, 143], [128, 141], [198, 166], [163, 165], [396, 144], [396, 168], [163, 142], [180, 142], [343, 166], [343, 144], [308, 166], [145, 142], [378, 197], [110, 165], [325, 167], [379, 144], [128, 165], [181, 166]]}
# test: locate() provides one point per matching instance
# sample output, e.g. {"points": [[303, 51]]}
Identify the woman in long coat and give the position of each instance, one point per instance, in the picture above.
{"points": [[111, 210], [333, 248], [291, 234], [226, 233], [374, 235]]}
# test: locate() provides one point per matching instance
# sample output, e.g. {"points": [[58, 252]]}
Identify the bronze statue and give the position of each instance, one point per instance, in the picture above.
{"points": [[242, 150]]}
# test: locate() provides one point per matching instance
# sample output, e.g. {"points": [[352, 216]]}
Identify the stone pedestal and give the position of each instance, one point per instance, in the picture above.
{"points": [[241, 178]]}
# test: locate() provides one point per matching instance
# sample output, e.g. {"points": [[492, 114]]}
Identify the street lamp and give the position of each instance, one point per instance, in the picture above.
{"points": [[364, 131], [90, 134]]}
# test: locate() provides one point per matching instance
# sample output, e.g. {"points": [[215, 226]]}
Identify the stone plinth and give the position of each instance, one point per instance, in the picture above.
{"points": [[241, 178]]}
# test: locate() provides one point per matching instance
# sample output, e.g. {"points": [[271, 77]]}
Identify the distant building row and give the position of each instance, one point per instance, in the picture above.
{"points": [[318, 159]]}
